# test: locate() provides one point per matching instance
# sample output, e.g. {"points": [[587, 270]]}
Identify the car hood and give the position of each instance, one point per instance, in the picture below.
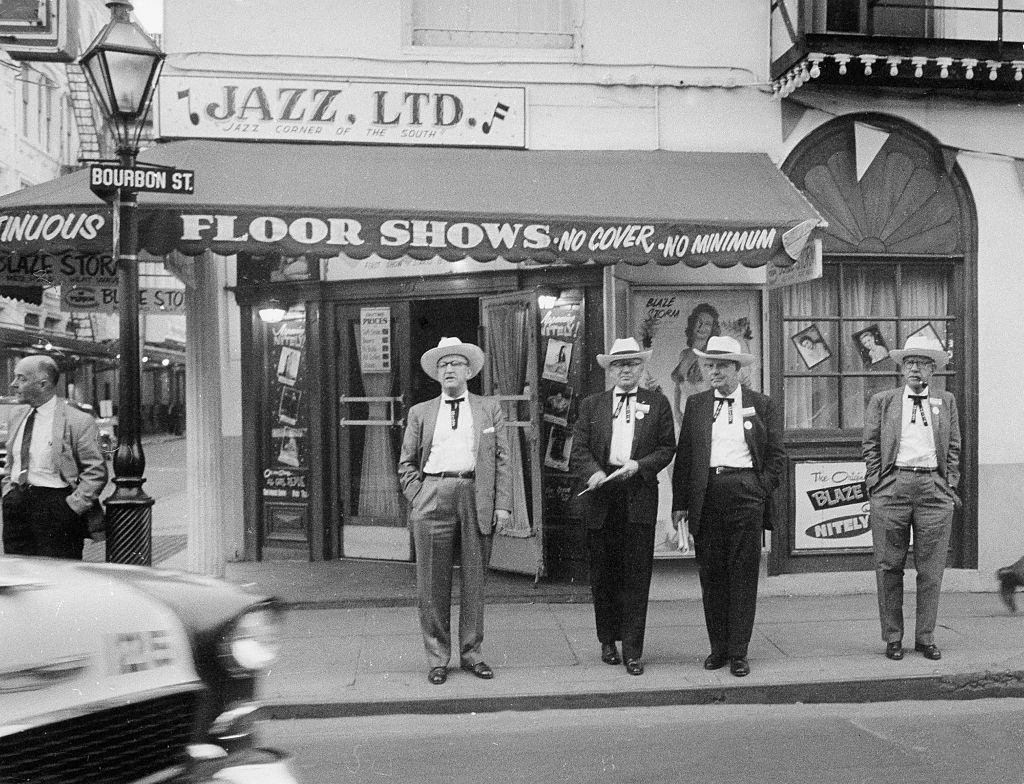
{"points": [[74, 638]]}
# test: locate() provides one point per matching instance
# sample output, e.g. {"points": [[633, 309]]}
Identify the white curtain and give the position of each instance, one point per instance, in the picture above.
{"points": [[379, 492]]}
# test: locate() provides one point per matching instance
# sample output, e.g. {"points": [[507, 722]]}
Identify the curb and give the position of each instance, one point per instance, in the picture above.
{"points": [[969, 686]]}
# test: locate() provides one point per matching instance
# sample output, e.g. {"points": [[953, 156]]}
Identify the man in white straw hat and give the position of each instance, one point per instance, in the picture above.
{"points": [[729, 461], [912, 456], [622, 438], [454, 471]]}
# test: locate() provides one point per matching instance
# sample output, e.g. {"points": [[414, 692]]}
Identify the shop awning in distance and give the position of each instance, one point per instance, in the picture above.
{"points": [[542, 206]]}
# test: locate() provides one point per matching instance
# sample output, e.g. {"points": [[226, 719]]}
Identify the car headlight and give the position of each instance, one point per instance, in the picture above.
{"points": [[252, 641]]}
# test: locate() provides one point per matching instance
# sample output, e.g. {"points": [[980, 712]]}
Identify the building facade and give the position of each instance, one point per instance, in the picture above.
{"points": [[367, 112]]}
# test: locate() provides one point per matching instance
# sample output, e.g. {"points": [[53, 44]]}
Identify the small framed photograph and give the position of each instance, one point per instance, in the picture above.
{"points": [[556, 406], [811, 346], [871, 345], [288, 406], [557, 359], [928, 332], [288, 365]]}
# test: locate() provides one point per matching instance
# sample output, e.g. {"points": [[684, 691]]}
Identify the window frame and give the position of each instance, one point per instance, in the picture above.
{"points": [[955, 329]]}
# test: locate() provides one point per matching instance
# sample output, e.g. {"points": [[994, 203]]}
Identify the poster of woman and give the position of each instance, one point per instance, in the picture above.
{"points": [[672, 323]]}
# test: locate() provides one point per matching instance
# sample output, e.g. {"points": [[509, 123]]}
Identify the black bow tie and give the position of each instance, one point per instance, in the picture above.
{"points": [[624, 398], [719, 402], [918, 405], [454, 403]]}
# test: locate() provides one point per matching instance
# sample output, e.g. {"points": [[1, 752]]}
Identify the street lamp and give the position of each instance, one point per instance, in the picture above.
{"points": [[123, 66]]}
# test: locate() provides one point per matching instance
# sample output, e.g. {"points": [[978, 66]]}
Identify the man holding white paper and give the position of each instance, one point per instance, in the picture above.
{"points": [[622, 438]]}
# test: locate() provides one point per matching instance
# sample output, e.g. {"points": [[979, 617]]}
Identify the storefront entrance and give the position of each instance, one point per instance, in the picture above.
{"points": [[379, 378]]}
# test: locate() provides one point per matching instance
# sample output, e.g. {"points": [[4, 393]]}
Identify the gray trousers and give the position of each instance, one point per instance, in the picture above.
{"points": [[443, 516], [912, 502]]}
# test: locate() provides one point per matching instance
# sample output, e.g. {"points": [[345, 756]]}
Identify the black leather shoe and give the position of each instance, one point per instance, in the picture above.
{"points": [[480, 670], [739, 666], [437, 675], [715, 661], [634, 667], [928, 651], [610, 654], [894, 651]]}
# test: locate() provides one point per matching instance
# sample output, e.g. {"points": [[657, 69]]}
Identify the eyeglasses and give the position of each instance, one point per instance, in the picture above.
{"points": [[451, 363], [627, 363], [918, 363]]}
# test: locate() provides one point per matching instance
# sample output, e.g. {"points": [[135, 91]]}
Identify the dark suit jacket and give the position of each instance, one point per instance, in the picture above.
{"points": [[653, 442], [693, 455], [493, 481], [883, 426]]}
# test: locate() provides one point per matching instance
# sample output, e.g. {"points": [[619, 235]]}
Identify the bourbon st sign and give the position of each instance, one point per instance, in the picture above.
{"points": [[341, 112]]}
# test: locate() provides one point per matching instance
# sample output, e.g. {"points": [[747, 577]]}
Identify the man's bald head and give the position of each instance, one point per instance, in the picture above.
{"points": [[35, 379]]}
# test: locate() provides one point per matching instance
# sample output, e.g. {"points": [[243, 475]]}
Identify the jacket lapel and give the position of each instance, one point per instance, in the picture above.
{"points": [[429, 423], [640, 425], [478, 420], [705, 410]]}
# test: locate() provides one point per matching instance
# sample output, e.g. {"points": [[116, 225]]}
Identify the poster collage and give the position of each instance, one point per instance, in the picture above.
{"points": [[285, 475], [561, 333]]}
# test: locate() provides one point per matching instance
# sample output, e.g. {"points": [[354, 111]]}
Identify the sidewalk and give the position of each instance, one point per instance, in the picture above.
{"points": [[370, 660]]}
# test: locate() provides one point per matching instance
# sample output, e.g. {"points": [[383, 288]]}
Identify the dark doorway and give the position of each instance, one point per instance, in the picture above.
{"points": [[431, 320]]}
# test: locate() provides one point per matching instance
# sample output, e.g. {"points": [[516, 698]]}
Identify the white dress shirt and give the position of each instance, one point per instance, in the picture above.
{"points": [[728, 445], [452, 450], [917, 440], [40, 451], [623, 426]]}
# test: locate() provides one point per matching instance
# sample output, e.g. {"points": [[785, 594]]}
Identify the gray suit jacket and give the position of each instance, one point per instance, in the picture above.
{"points": [[493, 483], [883, 426], [76, 454]]}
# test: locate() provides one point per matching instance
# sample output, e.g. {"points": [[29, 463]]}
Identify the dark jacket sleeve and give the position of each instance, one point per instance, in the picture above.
{"points": [[681, 471], [584, 462], [775, 450], [660, 456], [871, 444]]}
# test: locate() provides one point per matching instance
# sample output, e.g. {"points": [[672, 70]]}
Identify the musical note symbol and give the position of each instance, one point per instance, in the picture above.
{"points": [[193, 116], [499, 114]]}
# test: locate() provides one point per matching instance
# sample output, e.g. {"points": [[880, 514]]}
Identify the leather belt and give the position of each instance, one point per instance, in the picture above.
{"points": [[728, 469], [453, 475], [917, 469]]}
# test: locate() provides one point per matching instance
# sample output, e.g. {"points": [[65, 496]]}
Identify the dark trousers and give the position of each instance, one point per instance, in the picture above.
{"points": [[38, 521], [728, 551], [621, 560]]}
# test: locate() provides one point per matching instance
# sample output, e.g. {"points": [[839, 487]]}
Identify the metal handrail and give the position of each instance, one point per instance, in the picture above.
{"points": [[391, 419]]}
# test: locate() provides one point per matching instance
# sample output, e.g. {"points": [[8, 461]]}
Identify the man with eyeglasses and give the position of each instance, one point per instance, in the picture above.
{"points": [[454, 470], [912, 456], [729, 461], [621, 440]]}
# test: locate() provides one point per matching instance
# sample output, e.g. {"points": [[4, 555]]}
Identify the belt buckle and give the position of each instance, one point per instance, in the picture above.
{"points": [[719, 470]]}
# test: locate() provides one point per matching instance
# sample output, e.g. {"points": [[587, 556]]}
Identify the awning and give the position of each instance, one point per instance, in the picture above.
{"points": [[520, 205]]}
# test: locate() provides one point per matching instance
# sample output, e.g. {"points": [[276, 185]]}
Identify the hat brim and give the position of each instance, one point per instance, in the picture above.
{"points": [[742, 359], [939, 357], [473, 354], [605, 360]]}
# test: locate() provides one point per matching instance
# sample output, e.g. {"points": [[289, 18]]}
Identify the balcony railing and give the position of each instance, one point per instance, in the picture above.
{"points": [[973, 20]]}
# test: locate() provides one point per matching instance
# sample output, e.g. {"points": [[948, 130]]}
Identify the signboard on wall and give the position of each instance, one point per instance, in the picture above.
{"points": [[830, 506], [341, 112], [375, 340]]}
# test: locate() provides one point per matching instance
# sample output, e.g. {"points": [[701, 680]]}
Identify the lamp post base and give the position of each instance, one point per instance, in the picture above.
{"points": [[129, 521]]}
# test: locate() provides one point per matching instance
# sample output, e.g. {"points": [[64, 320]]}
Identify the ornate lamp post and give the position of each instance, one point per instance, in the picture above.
{"points": [[123, 65]]}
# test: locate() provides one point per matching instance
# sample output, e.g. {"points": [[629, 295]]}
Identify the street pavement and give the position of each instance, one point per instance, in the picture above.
{"points": [[351, 644]]}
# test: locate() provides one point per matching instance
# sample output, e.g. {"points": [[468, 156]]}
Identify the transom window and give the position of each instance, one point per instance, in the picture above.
{"points": [[840, 329], [540, 24]]}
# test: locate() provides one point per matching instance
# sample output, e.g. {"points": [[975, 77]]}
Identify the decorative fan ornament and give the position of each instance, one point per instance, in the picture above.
{"points": [[903, 203]]}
